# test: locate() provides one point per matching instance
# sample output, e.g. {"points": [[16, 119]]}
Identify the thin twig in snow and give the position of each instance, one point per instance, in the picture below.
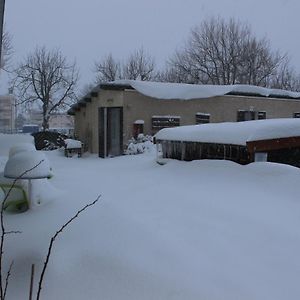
{"points": [[53, 240], [7, 278]]}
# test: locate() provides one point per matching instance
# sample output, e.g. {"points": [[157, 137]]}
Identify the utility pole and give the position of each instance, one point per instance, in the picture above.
{"points": [[2, 6]]}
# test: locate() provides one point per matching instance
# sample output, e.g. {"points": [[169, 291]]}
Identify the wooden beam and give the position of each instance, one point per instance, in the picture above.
{"points": [[273, 144]]}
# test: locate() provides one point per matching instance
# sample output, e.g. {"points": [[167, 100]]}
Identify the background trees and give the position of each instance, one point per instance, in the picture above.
{"points": [[139, 65], [227, 52], [45, 78], [218, 51]]}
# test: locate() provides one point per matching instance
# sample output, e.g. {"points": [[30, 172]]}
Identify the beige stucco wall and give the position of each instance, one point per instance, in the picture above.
{"points": [[140, 107], [86, 119]]}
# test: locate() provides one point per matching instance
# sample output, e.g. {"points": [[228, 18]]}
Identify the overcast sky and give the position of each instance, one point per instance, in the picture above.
{"points": [[87, 30]]}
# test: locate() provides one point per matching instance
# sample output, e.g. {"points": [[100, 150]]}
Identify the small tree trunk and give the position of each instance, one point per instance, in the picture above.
{"points": [[45, 124]]}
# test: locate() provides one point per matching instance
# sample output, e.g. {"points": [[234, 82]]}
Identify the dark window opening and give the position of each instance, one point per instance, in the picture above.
{"points": [[296, 114], [261, 115], [245, 115], [202, 118], [160, 122]]}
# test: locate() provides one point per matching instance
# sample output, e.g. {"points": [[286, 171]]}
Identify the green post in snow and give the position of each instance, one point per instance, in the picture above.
{"points": [[2, 6]]}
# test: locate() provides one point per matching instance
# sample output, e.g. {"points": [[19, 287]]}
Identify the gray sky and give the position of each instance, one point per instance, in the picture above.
{"points": [[89, 29]]}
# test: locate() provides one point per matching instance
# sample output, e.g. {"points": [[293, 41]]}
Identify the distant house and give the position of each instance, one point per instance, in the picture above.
{"points": [[7, 113], [112, 113], [275, 140], [60, 121]]}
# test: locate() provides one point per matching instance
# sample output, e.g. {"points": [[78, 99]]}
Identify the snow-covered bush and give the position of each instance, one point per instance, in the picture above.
{"points": [[139, 145]]}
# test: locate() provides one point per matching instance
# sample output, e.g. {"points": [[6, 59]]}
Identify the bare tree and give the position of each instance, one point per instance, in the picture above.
{"points": [[108, 69], [224, 52], [139, 65], [285, 78], [46, 79]]}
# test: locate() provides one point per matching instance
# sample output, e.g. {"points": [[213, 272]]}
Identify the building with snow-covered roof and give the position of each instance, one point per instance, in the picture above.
{"points": [[275, 140], [108, 116]]}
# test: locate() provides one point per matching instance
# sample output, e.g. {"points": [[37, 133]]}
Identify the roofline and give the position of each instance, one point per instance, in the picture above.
{"points": [[115, 86], [261, 96]]}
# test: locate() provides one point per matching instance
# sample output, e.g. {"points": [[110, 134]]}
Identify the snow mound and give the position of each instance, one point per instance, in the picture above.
{"points": [[20, 147], [25, 161], [9, 140], [72, 144]]}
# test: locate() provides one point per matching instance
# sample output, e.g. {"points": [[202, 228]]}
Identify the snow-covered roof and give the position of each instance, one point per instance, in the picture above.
{"points": [[139, 122], [183, 91], [237, 133], [165, 90]]}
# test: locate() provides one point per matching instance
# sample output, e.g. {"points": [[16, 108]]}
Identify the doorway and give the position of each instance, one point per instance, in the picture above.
{"points": [[110, 131]]}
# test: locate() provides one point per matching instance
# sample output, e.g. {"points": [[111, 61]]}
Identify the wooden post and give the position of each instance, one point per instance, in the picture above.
{"points": [[31, 282], [182, 150]]}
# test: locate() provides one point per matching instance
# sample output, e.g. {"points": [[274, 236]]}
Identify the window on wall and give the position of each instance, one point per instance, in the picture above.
{"points": [[160, 122], [202, 118], [261, 115], [296, 114], [245, 115]]}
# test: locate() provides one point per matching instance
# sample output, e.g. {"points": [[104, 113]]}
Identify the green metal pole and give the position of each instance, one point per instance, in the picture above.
{"points": [[2, 6]]}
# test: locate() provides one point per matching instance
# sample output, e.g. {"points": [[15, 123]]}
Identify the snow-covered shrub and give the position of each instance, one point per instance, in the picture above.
{"points": [[139, 145], [49, 140]]}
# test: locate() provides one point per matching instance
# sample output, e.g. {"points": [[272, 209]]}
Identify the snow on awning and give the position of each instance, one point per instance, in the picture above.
{"points": [[237, 133], [139, 122], [166, 117]]}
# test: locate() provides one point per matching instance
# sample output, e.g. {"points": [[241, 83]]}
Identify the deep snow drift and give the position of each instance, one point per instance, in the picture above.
{"points": [[185, 230]]}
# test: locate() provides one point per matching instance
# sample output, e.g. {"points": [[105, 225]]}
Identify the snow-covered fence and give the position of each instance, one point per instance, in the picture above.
{"points": [[196, 150]]}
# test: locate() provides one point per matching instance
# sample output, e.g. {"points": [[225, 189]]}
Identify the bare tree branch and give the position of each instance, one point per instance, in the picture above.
{"points": [[138, 66], [7, 279], [53, 238]]}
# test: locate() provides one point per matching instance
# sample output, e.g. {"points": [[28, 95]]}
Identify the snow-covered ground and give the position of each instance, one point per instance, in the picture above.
{"points": [[184, 230]]}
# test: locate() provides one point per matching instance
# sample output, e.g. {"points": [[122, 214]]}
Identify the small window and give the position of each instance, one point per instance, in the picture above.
{"points": [[160, 122], [245, 115], [202, 118], [297, 115], [261, 115]]}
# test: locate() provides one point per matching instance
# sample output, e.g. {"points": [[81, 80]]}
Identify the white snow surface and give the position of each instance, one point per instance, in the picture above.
{"points": [[237, 133], [10, 140], [73, 144], [162, 90], [32, 164], [185, 230], [20, 147]]}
